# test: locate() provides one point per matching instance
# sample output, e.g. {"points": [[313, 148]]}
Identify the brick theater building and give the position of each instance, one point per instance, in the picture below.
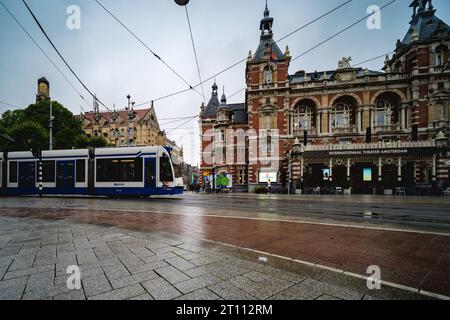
{"points": [[349, 129]]}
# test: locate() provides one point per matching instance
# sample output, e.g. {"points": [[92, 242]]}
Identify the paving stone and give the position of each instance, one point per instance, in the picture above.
{"points": [[180, 263], [4, 266], [148, 267], [327, 297], [40, 281], [22, 262], [172, 275], [72, 295], [121, 294], [160, 289], [202, 294], [145, 296], [133, 279], [96, 285], [196, 283], [27, 272], [202, 261], [229, 292], [311, 289], [116, 271], [256, 276], [12, 289], [130, 260], [262, 290], [285, 275]]}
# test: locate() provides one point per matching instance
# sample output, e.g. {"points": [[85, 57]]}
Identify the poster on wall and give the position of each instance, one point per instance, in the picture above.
{"points": [[367, 175], [224, 181], [265, 177], [326, 174]]}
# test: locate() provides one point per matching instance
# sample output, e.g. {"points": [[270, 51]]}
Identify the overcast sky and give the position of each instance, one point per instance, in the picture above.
{"points": [[113, 64]]}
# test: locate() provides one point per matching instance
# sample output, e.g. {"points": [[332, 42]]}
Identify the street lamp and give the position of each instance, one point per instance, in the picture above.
{"points": [[442, 143], [181, 2], [296, 153]]}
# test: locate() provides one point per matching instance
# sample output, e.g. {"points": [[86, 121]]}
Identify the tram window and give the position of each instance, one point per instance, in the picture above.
{"points": [[48, 171], [165, 169], [13, 172], [119, 170], [81, 171]]}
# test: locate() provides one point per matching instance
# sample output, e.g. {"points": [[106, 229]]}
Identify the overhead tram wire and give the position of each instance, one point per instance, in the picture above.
{"points": [[43, 52], [195, 51], [9, 104], [62, 58], [372, 59], [245, 59], [343, 30], [158, 57], [186, 122]]}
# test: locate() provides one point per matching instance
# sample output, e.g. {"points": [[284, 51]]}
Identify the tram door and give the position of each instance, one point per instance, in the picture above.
{"points": [[27, 175], [65, 175], [150, 173]]}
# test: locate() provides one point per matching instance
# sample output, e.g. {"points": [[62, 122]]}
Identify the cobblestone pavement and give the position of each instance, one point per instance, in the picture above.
{"points": [[121, 264]]}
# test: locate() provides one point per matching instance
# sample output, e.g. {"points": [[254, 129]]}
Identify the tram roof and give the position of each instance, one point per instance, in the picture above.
{"points": [[133, 151], [20, 155], [74, 153]]}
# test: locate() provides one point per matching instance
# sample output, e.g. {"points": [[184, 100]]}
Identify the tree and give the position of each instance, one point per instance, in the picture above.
{"points": [[66, 128], [28, 135], [93, 142], [11, 118]]}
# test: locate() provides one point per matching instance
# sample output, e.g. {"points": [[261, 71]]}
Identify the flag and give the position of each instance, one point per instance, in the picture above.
{"points": [[273, 57]]}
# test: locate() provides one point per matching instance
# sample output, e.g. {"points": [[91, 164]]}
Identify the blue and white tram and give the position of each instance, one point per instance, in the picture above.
{"points": [[136, 171], [140, 171], [2, 175], [21, 172], [64, 172]]}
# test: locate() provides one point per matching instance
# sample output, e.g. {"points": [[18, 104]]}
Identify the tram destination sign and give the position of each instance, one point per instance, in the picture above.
{"points": [[406, 152]]}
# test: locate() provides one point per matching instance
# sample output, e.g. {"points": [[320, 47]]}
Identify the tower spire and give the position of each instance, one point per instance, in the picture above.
{"points": [[266, 11]]}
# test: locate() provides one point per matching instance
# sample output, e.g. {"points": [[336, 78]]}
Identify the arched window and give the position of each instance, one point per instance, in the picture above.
{"points": [[383, 113], [441, 55], [388, 114], [304, 116], [268, 75], [341, 115]]}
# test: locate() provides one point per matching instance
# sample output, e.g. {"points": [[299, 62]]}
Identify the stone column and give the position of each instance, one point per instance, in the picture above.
{"points": [[331, 169], [403, 118], [318, 123], [434, 168], [302, 168], [348, 169], [380, 169]]}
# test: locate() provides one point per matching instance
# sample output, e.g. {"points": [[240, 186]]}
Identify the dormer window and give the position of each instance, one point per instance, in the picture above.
{"points": [[268, 75]]}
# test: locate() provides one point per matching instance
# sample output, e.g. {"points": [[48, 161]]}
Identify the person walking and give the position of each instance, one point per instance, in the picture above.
{"points": [[269, 187]]}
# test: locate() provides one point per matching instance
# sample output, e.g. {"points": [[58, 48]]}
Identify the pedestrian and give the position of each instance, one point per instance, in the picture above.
{"points": [[269, 187]]}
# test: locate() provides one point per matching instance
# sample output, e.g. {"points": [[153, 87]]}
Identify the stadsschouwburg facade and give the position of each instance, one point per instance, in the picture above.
{"points": [[350, 128]]}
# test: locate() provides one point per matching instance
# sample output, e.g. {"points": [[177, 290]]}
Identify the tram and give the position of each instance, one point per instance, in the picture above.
{"points": [[137, 171]]}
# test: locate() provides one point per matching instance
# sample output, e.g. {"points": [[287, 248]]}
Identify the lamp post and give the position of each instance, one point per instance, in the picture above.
{"points": [[442, 148], [296, 153]]}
